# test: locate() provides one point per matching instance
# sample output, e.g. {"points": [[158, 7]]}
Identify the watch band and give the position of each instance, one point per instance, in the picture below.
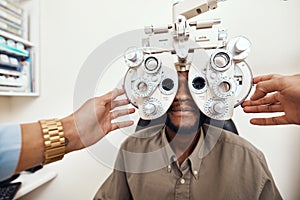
{"points": [[54, 140]]}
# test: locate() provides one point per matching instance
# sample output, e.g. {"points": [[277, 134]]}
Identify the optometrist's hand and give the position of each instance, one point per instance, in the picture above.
{"points": [[92, 121], [96, 118], [275, 93]]}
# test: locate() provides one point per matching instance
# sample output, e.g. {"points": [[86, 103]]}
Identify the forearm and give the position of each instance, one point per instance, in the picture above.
{"points": [[93, 121], [32, 150], [71, 134]]}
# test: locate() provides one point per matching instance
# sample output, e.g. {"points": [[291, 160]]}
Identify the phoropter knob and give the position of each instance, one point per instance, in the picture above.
{"points": [[149, 109], [218, 108]]}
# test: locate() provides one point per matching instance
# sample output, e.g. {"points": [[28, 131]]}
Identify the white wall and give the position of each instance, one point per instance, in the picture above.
{"points": [[71, 30]]}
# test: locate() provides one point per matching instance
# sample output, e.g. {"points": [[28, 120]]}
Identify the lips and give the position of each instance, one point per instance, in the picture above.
{"points": [[182, 108]]}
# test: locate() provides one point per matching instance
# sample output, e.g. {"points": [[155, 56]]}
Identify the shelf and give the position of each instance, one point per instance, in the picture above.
{"points": [[26, 82], [11, 7], [13, 50], [19, 94], [16, 38]]}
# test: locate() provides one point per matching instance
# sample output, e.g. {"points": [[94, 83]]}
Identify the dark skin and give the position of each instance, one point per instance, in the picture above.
{"points": [[182, 127]]}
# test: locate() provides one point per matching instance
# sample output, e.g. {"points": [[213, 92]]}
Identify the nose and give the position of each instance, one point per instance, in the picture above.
{"points": [[183, 93]]}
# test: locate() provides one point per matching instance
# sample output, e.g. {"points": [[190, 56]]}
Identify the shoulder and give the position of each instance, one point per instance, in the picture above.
{"points": [[235, 143], [148, 139], [242, 143]]}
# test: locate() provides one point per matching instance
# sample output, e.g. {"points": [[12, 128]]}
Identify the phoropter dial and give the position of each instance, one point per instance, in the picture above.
{"points": [[142, 88], [152, 108], [224, 87], [133, 57], [216, 109]]}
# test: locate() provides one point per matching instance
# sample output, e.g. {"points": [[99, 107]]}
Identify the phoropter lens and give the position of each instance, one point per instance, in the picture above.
{"points": [[198, 83], [167, 84], [221, 60]]}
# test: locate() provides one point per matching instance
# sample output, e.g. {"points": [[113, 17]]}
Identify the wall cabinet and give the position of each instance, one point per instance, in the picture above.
{"points": [[19, 40]]}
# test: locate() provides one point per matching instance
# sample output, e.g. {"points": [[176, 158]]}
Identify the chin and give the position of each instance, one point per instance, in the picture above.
{"points": [[184, 125], [184, 120]]}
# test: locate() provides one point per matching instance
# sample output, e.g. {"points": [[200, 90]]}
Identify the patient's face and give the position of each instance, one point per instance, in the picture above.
{"points": [[183, 115]]}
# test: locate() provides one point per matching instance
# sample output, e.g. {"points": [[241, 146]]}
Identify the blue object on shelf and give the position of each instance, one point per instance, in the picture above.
{"points": [[13, 50]]}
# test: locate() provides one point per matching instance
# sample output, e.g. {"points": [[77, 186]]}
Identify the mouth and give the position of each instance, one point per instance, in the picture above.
{"points": [[178, 110], [182, 110]]}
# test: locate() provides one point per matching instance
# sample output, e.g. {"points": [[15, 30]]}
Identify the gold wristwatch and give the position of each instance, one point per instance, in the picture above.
{"points": [[54, 140]]}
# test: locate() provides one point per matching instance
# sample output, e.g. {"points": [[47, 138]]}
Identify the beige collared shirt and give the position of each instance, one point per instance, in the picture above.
{"points": [[192, 161], [222, 166]]}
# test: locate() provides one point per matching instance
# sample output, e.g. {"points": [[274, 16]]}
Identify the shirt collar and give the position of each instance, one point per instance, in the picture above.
{"points": [[170, 155], [195, 158]]}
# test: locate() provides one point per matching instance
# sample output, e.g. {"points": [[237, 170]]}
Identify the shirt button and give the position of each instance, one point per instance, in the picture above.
{"points": [[169, 168], [195, 172], [182, 181]]}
